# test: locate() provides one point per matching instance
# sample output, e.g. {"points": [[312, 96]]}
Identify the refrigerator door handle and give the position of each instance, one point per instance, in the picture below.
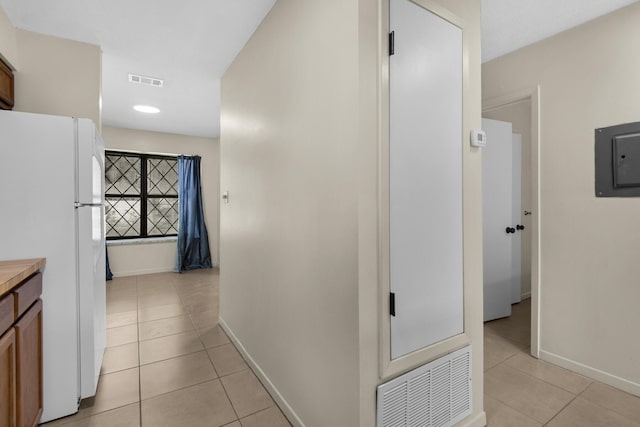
{"points": [[83, 205]]}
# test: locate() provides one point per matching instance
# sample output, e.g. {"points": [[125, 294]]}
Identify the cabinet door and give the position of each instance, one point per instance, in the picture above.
{"points": [[29, 357], [6, 87], [8, 379]]}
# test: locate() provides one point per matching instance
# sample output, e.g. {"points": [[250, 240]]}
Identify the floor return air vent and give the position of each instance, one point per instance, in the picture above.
{"points": [[437, 394]]}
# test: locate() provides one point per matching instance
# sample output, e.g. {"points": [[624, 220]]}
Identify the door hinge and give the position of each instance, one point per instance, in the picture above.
{"points": [[392, 43], [392, 303]]}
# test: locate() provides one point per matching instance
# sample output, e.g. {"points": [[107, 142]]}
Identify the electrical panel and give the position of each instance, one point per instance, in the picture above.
{"points": [[617, 160]]}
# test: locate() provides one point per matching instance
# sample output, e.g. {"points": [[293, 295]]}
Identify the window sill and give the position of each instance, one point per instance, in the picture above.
{"points": [[148, 240]]}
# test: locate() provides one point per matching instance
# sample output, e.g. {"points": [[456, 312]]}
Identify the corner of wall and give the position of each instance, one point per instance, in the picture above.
{"points": [[57, 76], [8, 49]]}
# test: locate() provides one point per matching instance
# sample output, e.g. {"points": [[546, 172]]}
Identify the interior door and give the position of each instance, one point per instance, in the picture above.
{"points": [[503, 228], [516, 209], [425, 178], [497, 213]]}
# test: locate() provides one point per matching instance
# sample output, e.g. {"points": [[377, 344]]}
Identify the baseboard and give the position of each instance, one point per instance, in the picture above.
{"points": [[141, 272], [479, 420], [588, 371], [280, 400], [149, 271], [525, 295]]}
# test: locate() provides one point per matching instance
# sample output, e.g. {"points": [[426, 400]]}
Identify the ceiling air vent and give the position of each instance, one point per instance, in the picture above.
{"points": [[144, 80]]}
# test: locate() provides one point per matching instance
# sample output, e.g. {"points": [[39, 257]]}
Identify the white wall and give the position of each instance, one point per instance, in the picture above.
{"points": [[58, 76], [8, 50], [141, 258], [53, 75], [127, 260], [288, 240], [589, 294], [299, 238]]}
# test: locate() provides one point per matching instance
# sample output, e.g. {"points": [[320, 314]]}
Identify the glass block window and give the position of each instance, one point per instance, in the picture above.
{"points": [[141, 192]]}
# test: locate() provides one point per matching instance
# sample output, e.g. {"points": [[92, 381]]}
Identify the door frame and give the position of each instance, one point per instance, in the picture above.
{"points": [[388, 367], [533, 96]]}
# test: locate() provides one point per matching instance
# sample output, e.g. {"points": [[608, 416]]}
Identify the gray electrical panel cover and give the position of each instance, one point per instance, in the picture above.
{"points": [[617, 154]]}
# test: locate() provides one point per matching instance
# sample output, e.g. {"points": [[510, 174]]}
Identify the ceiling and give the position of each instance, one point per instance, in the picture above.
{"points": [[190, 45], [508, 25]]}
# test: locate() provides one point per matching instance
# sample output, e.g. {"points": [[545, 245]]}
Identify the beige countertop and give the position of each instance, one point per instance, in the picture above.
{"points": [[14, 272]]}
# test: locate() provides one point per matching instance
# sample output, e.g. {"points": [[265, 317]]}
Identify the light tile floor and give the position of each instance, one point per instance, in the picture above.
{"points": [[169, 364], [521, 391]]}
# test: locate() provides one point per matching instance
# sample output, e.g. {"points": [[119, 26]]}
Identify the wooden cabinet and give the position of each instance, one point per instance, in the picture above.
{"points": [[6, 86], [29, 366], [7, 316], [20, 347], [26, 294], [8, 378]]}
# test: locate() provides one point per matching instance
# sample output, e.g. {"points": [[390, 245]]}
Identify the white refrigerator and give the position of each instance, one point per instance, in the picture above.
{"points": [[52, 192]]}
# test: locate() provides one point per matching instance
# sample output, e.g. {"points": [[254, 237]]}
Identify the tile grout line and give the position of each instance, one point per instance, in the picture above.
{"points": [[171, 334], [516, 343], [179, 389], [162, 318], [214, 367], [520, 412], [603, 407], [531, 376], [188, 314], [562, 409], [139, 366], [275, 405], [206, 352], [199, 334], [543, 380], [262, 386], [230, 402]]}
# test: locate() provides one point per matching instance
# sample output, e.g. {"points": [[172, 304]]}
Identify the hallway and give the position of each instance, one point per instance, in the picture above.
{"points": [[168, 363]]}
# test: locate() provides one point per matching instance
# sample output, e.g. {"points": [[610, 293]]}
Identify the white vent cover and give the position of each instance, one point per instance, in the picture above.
{"points": [[144, 80], [437, 394]]}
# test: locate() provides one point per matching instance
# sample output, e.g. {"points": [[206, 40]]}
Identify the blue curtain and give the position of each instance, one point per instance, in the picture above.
{"points": [[106, 254], [193, 240]]}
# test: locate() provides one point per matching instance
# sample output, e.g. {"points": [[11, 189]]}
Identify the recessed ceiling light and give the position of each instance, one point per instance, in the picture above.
{"points": [[146, 109]]}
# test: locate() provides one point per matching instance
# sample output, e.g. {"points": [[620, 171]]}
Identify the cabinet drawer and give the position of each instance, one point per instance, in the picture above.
{"points": [[6, 312], [27, 293]]}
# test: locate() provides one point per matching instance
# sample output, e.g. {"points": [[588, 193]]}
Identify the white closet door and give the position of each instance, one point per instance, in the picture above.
{"points": [[425, 182]]}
